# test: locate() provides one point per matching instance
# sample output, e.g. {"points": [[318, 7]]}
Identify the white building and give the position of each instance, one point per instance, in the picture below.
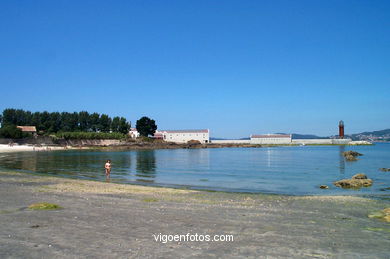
{"points": [[133, 133], [271, 139], [183, 136]]}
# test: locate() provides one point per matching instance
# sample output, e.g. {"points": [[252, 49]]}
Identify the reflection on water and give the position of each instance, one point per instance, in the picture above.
{"points": [[342, 160], [146, 166], [285, 170], [82, 164]]}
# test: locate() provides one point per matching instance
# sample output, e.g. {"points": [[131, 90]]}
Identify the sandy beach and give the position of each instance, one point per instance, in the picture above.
{"points": [[21, 148], [107, 220]]}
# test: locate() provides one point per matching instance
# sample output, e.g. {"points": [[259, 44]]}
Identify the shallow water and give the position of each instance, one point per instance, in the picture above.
{"points": [[297, 170]]}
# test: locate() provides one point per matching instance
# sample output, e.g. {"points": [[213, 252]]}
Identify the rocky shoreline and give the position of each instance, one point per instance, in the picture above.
{"points": [[127, 145]]}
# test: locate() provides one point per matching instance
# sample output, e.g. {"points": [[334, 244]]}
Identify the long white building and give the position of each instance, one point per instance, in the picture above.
{"points": [[183, 136], [271, 139]]}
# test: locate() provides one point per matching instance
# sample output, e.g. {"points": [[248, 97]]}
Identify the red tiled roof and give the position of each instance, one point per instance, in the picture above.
{"points": [[271, 136], [27, 128], [186, 131]]}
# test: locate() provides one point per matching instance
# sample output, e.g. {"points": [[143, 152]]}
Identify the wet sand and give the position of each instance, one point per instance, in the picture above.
{"points": [[107, 220]]}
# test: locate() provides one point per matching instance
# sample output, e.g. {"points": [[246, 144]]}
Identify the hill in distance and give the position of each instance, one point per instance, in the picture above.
{"points": [[378, 135]]}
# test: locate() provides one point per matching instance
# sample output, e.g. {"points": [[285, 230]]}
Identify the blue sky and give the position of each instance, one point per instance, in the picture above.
{"points": [[235, 67]]}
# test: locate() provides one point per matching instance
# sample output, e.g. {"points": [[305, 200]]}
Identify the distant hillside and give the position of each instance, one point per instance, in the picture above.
{"points": [[378, 135]]}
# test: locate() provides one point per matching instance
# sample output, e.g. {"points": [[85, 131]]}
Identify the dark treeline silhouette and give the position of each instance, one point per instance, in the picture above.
{"points": [[53, 122]]}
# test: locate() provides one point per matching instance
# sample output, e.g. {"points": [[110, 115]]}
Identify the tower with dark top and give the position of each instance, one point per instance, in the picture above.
{"points": [[341, 129]]}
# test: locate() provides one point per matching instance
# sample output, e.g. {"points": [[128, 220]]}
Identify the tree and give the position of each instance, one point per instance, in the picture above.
{"points": [[65, 121], [69, 121], [124, 126], [9, 117], [94, 119], [35, 120], [84, 121], [44, 124], [10, 131], [20, 117], [115, 124], [146, 126], [105, 123], [54, 122]]}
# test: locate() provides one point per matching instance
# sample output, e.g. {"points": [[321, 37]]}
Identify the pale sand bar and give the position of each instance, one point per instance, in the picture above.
{"points": [[107, 220], [21, 148]]}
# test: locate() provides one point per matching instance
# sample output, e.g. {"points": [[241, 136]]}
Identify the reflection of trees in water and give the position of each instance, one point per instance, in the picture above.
{"points": [[21, 161], [146, 165], [121, 163], [341, 161], [73, 163]]}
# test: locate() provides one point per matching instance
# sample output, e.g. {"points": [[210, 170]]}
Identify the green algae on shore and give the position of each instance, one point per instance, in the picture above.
{"points": [[382, 215], [150, 200], [44, 206]]}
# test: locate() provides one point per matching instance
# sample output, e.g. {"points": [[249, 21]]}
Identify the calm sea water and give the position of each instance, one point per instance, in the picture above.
{"points": [[282, 170]]}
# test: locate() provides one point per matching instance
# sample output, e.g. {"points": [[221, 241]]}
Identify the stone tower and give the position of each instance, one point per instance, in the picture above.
{"points": [[341, 129]]}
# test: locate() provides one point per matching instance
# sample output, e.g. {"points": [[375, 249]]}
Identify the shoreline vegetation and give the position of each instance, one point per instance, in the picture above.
{"points": [[88, 218]]}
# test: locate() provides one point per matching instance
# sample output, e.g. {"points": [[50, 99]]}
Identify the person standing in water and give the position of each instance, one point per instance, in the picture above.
{"points": [[107, 166]]}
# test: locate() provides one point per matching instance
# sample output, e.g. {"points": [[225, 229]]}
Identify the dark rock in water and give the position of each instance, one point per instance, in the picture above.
{"points": [[350, 158], [324, 186], [353, 183], [351, 153], [357, 181], [384, 169], [359, 176]]}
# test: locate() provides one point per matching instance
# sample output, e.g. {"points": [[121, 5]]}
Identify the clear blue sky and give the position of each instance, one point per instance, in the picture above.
{"points": [[235, 67]]}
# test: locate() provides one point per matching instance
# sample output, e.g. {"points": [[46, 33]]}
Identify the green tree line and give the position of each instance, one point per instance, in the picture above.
{"points": [[53, 122]]}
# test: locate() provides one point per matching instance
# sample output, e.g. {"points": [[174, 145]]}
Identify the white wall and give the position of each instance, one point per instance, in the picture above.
{"points": [[184, 137], [134, 134], [312, 141], [321, 141], [270, 140], [231, 141]]}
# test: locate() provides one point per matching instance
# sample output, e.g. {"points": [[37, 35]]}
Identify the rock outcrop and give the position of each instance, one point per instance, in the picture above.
{"points": [[193, 142], [357, 181], [350, 158], [384, 169], [351, 155], [359, 176]]}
